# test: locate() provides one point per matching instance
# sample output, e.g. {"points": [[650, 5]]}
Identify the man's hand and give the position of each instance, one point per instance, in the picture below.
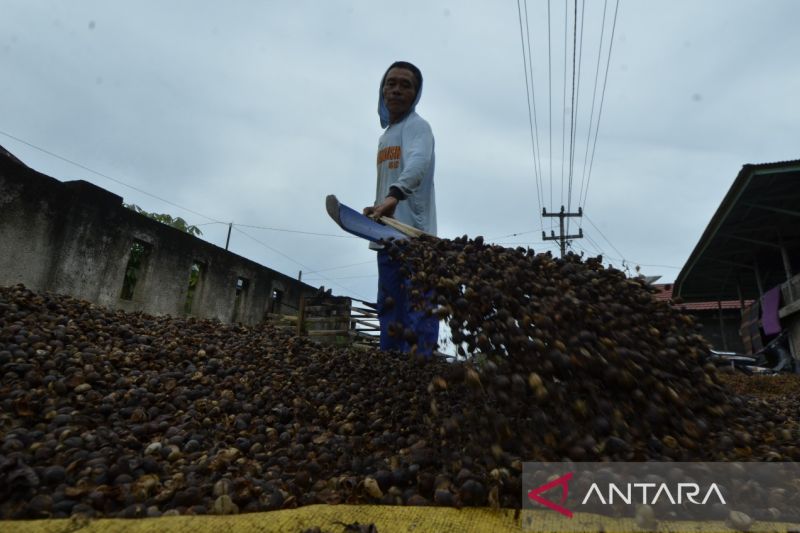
{"points": [[384, 209]]}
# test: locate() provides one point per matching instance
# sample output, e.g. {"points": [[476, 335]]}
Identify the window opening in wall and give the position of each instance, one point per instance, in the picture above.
{"points": [[195, 277], [277, 299], [241, 290], [241, 285], [137, 259]]}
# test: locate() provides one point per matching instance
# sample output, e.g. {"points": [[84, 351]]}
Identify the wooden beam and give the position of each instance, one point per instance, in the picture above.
{"points": [[403, 228], [322, 332], [789, 309], [362, 322], [323, 319], [780, 210], [752, 241]]}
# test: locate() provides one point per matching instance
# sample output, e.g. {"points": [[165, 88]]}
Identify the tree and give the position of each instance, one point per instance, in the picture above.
{"points": [[177, 222]]}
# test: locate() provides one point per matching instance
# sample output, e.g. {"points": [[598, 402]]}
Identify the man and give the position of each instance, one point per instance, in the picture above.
{"points": [[405, 191]]}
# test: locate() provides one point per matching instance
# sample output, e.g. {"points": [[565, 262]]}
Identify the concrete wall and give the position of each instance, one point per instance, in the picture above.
{"points": [[723, 335], [75, 238]]}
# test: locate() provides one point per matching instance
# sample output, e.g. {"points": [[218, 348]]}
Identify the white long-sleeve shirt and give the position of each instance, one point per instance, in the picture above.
{"points": [[406, 160]]}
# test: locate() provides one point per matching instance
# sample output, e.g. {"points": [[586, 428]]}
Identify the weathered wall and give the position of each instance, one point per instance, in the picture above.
{"points": [[725, 335], [75, 238]]}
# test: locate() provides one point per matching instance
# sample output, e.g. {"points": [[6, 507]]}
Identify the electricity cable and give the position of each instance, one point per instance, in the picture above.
{"points": [[596, 246], [535, 115], [564, 103], [344, 277], [604, 237], [576, 106], [512, 235], [296, 231], [106, 176], [572, 109], [370, 262], [602, 99], [209, 223], [531, 118], [304, 267], [550, 105], [594, 98], [213, 221]]}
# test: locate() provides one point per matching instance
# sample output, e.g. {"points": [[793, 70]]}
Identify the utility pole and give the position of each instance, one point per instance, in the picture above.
{"points": [[561, 236], [228, 240]]}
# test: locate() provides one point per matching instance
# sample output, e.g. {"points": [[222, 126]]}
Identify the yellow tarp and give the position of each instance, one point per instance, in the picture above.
{"points": [[330, 518], [334, 518]]}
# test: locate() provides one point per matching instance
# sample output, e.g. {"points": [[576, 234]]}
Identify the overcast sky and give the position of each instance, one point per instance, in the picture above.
{"points": [[254, 111]]}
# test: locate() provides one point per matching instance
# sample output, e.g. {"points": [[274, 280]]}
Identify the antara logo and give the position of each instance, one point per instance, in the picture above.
{"points": [[633, 493], [686, 492], [563, 483]]}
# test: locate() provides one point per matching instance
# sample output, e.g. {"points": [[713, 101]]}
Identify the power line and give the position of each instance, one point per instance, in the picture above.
{"points": [[370, 262], [564, 104], [594, 98], [656, 266], [271, 248], [593, 243], [344, 277], [116, 180], [512, 235], [539, 244], [602, 235], [626, 261], [304, 267], [213, 221], [576, 105], [208, 223], [533, 93], [572, 108], [531, 118], [602, 99], [106, 176], [573, 246], [296, 231], [550, 104]]}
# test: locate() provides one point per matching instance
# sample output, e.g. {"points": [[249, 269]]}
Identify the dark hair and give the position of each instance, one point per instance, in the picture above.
{"points": [[407, 66]]}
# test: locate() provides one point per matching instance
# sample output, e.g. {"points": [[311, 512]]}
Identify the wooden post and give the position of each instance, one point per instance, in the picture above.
{"points": [[722, 327], [758, 278], [741, 299], [301, 316]]}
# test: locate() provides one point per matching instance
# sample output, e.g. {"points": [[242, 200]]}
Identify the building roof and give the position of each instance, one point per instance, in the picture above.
{"points": [[665, 294], [758, 216]]}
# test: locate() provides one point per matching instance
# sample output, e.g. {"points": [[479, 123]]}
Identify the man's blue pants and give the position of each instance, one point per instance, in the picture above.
{"points": [[391, 284]]}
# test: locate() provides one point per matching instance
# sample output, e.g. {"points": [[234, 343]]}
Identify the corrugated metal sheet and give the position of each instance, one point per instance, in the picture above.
{"points": [[665, 294]]}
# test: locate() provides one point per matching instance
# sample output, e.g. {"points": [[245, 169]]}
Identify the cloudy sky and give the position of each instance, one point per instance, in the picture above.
{"points": [[251, 112]]}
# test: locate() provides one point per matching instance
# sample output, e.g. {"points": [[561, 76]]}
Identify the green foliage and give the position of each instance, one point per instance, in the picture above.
{"points": [[177, 222], [138, 254], [194, 278]]}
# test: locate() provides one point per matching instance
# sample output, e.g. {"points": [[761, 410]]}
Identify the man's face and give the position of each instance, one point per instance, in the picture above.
{"points": [[399, 91]]}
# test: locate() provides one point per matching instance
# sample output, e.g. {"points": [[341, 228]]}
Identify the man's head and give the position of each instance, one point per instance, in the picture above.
{"points": [[400, 90]]}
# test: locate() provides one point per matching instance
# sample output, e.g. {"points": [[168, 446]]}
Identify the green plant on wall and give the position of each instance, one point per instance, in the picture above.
{"points": [[138, 254], [175, 222], [194, 279]]}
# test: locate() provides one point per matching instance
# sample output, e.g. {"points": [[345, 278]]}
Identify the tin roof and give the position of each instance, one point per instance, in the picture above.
{"points": [[665, 294], [759, 216]]}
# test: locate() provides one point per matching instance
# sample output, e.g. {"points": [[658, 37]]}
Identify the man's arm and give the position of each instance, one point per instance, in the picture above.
{"points": [[384, 209], [417, 155]]}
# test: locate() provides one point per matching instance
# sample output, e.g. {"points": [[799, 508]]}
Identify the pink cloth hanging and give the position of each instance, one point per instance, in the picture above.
{"points": [[770, 302]]}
